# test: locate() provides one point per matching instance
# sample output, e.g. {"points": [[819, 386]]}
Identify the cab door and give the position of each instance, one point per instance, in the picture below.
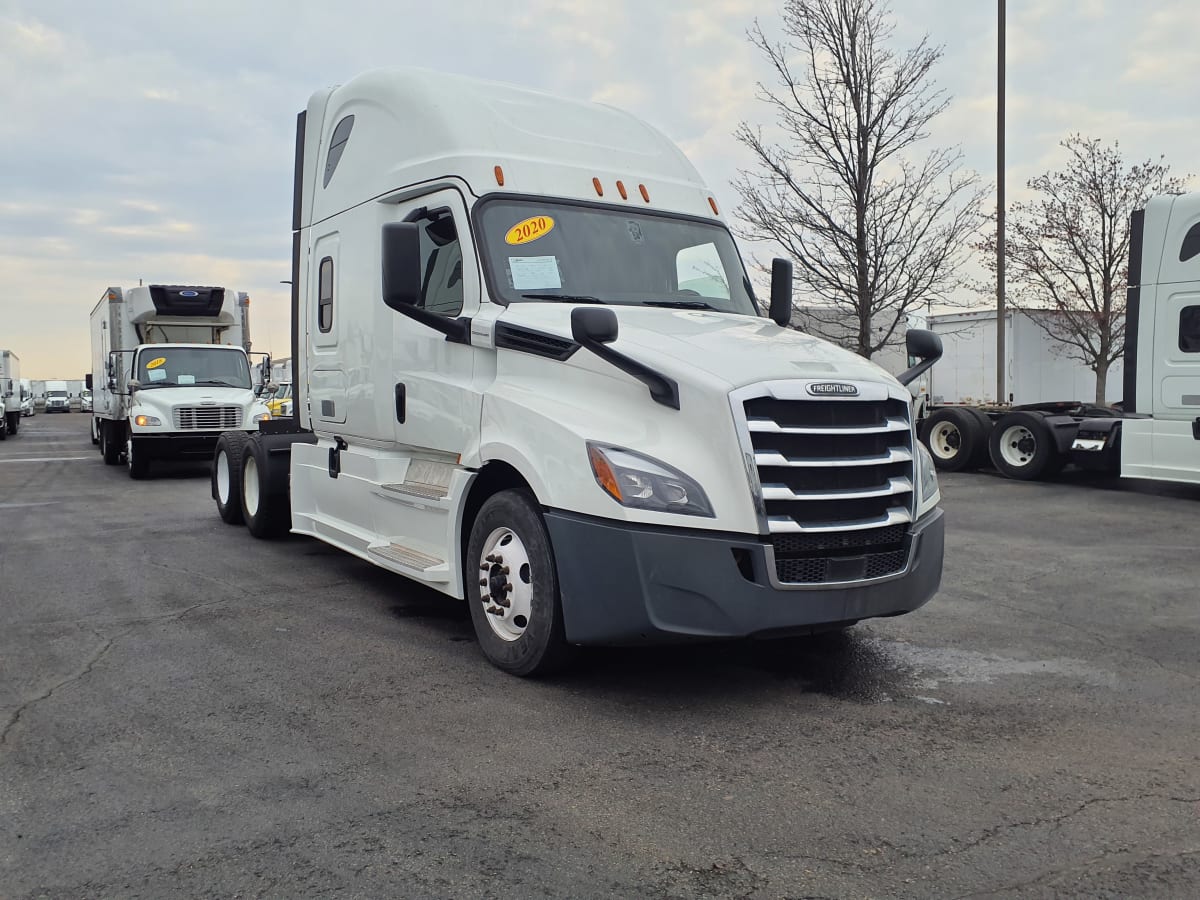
{"points": [[434, 405]]}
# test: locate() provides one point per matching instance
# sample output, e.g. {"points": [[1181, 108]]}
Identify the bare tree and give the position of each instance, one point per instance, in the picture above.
{"points": [[1067, 250], [875, 233]]}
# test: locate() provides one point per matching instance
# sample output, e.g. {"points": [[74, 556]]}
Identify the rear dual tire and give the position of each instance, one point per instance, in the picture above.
{"points": [[1022, 447], [227, 476], [957, 438]]}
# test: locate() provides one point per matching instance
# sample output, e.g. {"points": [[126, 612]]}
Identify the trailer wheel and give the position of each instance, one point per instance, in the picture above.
{"points": [[956, 439], [136, 460], [109, 446], [512, 587], [1023, 447], [227, 476], [265, 508]]}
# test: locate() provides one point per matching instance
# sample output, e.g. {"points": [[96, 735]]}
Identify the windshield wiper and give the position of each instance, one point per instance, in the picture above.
{"points": [[218, 383], [679, 304], [565, 298]]}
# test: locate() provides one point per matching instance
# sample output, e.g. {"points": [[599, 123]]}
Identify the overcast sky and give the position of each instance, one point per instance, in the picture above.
{"points": [[153, 138]]}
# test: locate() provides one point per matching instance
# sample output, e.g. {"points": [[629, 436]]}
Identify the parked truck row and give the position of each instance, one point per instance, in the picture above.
{"points": [[1154, 432]]}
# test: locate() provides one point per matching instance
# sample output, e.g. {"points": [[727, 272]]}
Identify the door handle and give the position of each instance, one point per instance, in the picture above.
{"points": [[400, 403]]}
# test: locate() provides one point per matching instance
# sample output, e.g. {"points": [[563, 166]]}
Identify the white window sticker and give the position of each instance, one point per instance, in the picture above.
{"points": [[157, 375], [185, 379], [534, 273]]}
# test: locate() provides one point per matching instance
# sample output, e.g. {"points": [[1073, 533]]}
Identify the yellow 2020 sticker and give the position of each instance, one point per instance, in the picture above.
{"points": [[155, 363], [529, 230]]}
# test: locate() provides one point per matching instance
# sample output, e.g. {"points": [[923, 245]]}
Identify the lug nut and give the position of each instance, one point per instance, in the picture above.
{"points": [[484, 567], [483, 582], [495, 611], [504, 570], [485, 598], [491, 557], [508, 588], [504, 601]]}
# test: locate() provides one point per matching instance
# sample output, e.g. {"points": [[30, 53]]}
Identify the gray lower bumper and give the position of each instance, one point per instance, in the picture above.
{"points": [[625, 584]]}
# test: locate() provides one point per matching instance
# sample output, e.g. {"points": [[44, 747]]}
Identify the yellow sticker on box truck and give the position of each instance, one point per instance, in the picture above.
{"points": [[529, 230], [155, 363]]}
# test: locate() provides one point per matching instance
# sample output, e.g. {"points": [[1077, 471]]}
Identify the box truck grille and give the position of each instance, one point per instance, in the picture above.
{"points": [[837, 481], [207, 418]]}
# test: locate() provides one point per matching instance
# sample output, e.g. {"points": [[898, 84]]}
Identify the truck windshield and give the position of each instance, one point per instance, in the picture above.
{"points": [[56, 393], [547, 251], [186, 366]]}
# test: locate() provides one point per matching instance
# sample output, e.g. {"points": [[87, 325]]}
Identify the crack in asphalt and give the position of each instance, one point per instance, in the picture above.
{"points": [[15, 716], [1054, 874]]}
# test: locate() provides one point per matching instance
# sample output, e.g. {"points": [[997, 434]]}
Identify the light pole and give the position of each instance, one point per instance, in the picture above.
{"points": [[1000, 380]]}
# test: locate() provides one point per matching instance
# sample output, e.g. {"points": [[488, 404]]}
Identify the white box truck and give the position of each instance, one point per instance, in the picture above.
{"points": [[58, 397], [530, 371], [10, 393], [170, 372], [1155, 431]]}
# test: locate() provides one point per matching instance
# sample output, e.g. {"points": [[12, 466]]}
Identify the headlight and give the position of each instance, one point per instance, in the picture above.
{"points": [[931, 494], [143, 421], [643, 483], [262, 417]]}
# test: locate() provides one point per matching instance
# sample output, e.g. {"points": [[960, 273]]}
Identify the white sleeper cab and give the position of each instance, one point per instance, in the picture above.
{"points": [[529, 370], [170, 373]]}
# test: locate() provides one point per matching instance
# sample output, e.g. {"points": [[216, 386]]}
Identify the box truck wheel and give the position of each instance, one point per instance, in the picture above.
{"points": [[14, 422], [512, 587], [265, 506], [3, 428], [110, 447], [1023, 447], [95, 432], [136, 460], [956, 439], [227, 476]]}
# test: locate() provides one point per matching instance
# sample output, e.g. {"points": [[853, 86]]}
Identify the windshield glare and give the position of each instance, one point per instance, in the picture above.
{"points": [[537, 250], [184, 366]]}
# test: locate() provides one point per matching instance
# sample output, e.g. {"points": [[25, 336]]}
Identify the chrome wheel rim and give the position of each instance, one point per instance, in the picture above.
{"points": [[505, 584]]}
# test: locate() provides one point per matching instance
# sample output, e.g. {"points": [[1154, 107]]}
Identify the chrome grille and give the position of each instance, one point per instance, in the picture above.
{"points": [[836, 479], [207, 418]]}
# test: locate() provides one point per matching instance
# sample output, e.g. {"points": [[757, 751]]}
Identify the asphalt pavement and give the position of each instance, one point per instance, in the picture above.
{"points": [[188, 712]]}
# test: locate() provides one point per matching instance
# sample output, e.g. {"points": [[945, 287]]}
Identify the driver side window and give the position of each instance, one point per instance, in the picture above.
{"points": [[699, 269], [441, 264]]}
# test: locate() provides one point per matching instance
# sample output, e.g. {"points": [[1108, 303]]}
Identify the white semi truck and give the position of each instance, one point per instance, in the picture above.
{"points": [[58, 397], [1155, 432], [530, 371], [170, 372], [10, 394]]}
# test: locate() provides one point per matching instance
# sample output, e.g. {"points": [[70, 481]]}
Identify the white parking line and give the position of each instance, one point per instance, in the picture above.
{"points": [[46, 459]]}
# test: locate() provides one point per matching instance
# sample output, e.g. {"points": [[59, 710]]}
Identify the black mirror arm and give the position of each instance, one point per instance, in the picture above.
{"points": [[663, 390], [457, 331], [911, 375]]}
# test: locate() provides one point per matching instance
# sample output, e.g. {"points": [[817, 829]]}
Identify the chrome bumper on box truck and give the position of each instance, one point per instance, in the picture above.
{"points": [[626, 584]]}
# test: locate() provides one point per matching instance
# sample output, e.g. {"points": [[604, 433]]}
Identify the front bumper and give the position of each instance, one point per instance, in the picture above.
{"points": [[176, 446], [625, 584]]}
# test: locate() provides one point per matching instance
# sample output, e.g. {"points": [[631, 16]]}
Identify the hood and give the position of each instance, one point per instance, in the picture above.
{"points": [[167, 397], [738, 350]]}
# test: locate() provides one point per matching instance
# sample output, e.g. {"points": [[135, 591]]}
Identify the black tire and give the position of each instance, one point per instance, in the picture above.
{"points": [[266, 508], [136, 461], [95, 432], [227, 476], [3, 428], [956, 439], [539, 646], [110, 448], [1022, 447], [14, 423]]}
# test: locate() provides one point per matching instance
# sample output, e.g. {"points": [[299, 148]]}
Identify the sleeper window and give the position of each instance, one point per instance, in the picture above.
{"points": [[1189, 329], [325, 296]]}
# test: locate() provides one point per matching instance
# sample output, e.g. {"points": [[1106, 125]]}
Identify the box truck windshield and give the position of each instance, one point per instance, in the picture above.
{"points": [[187, 366], [541, 250]]}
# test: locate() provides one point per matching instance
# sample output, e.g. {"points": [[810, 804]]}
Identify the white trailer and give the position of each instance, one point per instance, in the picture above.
{"points": [[1155, 432], [10, 394], [170, 372], [1036, 368], [530, 372]]}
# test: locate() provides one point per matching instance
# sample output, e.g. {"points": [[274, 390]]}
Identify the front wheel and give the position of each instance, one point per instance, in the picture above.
{"points": [[136, 460], [512, 587]]}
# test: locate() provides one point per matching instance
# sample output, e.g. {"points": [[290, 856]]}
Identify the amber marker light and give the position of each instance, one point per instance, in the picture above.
{"points": [[604, 474], [645, 193], [499, 176], [621, 190], [599, 188], [713, 204]]}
